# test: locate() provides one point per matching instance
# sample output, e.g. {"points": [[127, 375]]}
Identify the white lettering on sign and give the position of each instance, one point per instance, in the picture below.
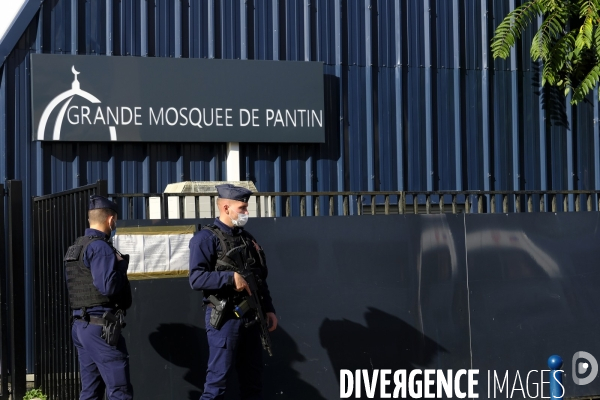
{"points": [[77, 115], [197, 117], [294, 118], [249, 116]]}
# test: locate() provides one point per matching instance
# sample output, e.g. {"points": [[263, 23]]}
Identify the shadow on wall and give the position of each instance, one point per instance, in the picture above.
{"points": [[553, 101], [185, 346], [386, 342], [280, 379]]}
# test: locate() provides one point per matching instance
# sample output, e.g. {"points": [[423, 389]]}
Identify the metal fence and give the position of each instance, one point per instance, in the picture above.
{"points": [[58, 219], [288, 204]]}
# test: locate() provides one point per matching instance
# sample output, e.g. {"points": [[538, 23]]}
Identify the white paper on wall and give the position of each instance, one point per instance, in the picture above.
{"points": [[155, 253]]}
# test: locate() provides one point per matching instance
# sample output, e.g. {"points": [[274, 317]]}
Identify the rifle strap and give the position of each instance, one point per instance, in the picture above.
{"points": [[225, 266]]}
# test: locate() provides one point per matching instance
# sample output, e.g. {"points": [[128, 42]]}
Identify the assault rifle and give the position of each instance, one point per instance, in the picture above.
{"points": [[253, 302]]}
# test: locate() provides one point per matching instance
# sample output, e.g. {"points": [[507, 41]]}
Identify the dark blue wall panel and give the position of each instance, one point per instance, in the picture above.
{"points": [[413, 98], [411, 101]]}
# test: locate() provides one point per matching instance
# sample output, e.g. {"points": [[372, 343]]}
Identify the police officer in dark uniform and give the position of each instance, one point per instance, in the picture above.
{"points": [[235, 340], [99, 293]]}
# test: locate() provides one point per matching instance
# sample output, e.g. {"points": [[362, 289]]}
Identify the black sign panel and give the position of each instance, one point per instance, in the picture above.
{"points": [[139, 99]]}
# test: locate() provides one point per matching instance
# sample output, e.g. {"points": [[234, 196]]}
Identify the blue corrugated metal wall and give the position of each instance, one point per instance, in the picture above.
{"points": [[414, 100]]}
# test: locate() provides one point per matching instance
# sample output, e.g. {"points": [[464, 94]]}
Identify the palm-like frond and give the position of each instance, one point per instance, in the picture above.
{"points": [[512, 26], [597, 41], [586, 85], [585, 37], [567, 42], [558, 60], [550, 30]]}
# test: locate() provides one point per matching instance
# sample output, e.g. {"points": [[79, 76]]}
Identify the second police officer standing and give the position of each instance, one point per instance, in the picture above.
{"points": [[234, 341], [99, 293]]}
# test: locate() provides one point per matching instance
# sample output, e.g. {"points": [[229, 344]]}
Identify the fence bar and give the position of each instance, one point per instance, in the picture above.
{"points": [[386, 207], [331, 206], [542, 204], [196, 207], [259, 200], [130, 208], [272, 202], [163, 206], [346, 205], [402, 203]]}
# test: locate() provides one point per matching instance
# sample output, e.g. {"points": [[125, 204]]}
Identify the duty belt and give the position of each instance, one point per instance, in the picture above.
{"points": [[92, 320]]}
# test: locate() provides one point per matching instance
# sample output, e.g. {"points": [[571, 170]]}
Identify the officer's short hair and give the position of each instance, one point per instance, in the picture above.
{"points": [[100, 214]]}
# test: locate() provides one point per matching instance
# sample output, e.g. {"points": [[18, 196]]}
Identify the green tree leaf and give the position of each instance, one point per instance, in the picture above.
{"points": [[567, 42]]}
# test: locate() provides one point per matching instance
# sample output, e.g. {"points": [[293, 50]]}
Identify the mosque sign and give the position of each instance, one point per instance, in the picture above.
{"points": [[145, 99]]}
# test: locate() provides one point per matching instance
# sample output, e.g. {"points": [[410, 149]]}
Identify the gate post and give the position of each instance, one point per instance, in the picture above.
{"points": [[102, 188], [3, 326], [16, 289]]}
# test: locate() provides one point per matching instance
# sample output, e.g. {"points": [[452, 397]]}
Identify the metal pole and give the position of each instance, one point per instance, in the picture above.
{"points": [[233, 161], [3, 317], [16, 289]]}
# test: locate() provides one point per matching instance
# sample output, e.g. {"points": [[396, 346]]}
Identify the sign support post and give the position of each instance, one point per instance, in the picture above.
{"points": [[233, 161]]}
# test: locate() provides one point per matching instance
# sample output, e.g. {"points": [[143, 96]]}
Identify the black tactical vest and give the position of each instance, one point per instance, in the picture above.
{"points": [[239, 253], [82, 292]]}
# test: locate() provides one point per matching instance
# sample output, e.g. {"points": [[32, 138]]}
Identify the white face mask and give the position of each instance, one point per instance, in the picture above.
{"points": [[113, 230], [241, 220]]}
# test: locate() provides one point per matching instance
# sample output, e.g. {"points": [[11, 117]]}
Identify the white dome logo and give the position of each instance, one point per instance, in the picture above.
{"points": [[68, 96]]}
